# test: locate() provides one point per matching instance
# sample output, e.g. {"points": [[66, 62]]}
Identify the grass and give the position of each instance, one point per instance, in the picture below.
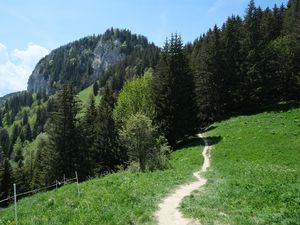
{"points": [[85, 94], [121, 198], [255, 172]]}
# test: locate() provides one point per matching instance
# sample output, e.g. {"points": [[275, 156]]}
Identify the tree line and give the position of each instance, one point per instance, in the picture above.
{"points": [[247, 63]]}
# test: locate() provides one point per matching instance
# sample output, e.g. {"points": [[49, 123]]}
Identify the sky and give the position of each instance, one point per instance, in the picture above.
{"points": [[30, 29]]}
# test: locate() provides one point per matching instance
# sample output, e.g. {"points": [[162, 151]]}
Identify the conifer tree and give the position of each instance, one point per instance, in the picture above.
{"points": [[21, 177], [173, 93], [106, 149], [5, 142], [6, 180], [233, 60], [95, 88], [14, 136], [64, 138], [1, 115], [25, 119], [44, 171], [209, 77], [88, 126]]}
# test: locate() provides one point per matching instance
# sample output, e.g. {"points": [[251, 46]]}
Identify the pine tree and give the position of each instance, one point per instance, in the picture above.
{"points": [[6, 180], [21, 177], [1, 117], [25, 119], [14, 136], [89, 133], [292, 30], [106, 148], [38, 127], [253, 48], [64, 138], [173, 93], [233, 60], [209, 74], [43, 167], [95, 88], [5, 142]]}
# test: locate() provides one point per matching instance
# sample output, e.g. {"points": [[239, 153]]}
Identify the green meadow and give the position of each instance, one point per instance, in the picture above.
{"points": [[255, 171], [125, 197]]}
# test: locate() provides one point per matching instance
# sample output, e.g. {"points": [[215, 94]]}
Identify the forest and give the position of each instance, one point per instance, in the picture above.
{"points": [[151, 101]]}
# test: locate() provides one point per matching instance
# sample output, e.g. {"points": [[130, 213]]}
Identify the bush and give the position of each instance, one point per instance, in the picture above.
{"points": [[143, 143]]}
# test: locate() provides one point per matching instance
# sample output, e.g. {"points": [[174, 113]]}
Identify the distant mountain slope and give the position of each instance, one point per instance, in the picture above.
{"points": [[86, 60], [5, 97]]}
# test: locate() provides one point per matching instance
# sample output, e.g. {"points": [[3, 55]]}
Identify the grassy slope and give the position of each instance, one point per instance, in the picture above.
{"points": [[85, 94], [255, 173], [121, 198]]}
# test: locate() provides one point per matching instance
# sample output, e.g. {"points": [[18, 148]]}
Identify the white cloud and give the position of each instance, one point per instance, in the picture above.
{"points": [[17, 65]]}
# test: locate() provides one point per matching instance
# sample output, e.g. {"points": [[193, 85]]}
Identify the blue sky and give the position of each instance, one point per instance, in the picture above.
{"points": [[30, 29]]}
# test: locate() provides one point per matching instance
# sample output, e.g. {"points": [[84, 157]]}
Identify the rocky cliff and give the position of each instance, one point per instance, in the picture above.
{"points": [[116, 55]]}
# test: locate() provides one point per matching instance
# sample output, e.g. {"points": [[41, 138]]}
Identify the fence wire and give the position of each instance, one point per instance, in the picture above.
{"points": [[58, 183]]}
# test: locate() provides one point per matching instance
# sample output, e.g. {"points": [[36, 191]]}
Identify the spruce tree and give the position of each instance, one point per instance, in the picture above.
{"points": [[173, 93], [25, 118], [5, 142], [210, 78], [43, 167], [88, 126], [64, 138], [95, 88], [21, 177], [6, 180], [14, 136], [106, 148], [233, 60], [292, 30]]}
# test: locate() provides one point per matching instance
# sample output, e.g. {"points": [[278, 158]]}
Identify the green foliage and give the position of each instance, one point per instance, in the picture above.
{"points": [[248, 63], [119, 198], [95, 88], [106, 149], [17, 153], [173, 93], [6, 180], [44, 160], [73, 63], [5, 142], [64, 135], [140, 55], [135, 97], [254, 175], [21, 177], [140, 138]]}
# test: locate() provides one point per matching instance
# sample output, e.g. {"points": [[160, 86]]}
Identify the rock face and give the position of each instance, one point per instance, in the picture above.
{"points": [[80, 63], [38, 82], [106, 53]]}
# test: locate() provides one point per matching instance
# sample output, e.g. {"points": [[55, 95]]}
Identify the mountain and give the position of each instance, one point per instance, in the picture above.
{"points": [[84, 61], [4, 98]]}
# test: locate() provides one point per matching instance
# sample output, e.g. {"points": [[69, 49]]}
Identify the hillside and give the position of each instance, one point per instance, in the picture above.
{"points": [[254, 176], [253, 179], [88, 59], [121, 198], [4, 98]]}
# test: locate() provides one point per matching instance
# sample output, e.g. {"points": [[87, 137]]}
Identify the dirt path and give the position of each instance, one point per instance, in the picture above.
{"points": [[168, 213]]}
